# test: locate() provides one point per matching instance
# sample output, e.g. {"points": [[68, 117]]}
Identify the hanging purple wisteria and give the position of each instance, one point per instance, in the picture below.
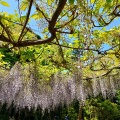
{"points": [[21, 87]]}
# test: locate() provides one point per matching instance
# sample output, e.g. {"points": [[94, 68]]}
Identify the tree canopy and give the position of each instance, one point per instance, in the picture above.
{"points": [[70, 40]]}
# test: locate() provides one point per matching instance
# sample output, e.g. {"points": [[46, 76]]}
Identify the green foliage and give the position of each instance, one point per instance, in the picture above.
{"points": [[111, 111], [72, 113], [101, 109], [4, 112], [71, 1], [63, 53], [108, 1], [9, 58]]}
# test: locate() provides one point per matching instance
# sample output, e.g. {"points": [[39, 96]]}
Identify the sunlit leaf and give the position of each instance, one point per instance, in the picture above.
{"points": [[37, 16], [4, 3], [92, 1], [24, 5]]}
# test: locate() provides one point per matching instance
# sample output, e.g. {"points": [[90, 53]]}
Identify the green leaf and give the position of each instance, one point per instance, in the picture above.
{"points": [[37, 16], [71, 1], [50, 2], [4, 3], [24, 5], [108, 1]]}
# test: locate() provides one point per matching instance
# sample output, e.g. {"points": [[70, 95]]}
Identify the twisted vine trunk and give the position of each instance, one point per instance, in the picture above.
{"points": [[80, 116]]}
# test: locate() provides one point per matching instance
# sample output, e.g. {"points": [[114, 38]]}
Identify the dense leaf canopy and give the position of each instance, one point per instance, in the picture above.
{"points": [[72, 34]]}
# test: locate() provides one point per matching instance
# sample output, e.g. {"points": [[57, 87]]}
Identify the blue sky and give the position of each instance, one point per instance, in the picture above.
{"points": [[10, 9], [116, 23], [13, 6]]}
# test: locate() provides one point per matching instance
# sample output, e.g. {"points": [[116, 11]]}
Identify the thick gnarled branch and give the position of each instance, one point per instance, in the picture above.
{"points": [[33, 42], [51, 28]]}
